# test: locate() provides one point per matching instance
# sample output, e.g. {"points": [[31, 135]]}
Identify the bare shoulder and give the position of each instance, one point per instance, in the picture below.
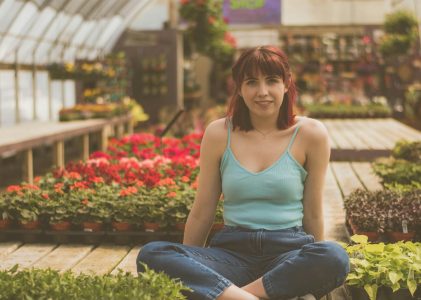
{"points": [[216, 135], [313, 130]]}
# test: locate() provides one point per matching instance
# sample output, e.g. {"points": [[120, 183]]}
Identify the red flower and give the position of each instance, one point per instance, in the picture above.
{"points": [[85, 202], [13, 188], [184, 2], [79, 185], [74, 175], [31, 187], [128, 191], [45, 196], [172, 195], [166, 181], [185, 179], [97, 179]]}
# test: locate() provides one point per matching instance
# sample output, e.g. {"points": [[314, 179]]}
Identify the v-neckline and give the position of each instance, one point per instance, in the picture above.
{"points": [[286, 152]]}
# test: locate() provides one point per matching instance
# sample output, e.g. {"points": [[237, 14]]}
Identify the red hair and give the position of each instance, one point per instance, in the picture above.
{"points": [[269, 60]]}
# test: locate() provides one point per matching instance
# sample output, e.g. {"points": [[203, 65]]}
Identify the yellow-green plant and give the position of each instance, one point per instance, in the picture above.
{"points": [[397, 266]]}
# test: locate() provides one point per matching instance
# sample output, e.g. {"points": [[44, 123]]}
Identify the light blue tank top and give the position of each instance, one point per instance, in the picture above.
{"points": [[270, 199]]}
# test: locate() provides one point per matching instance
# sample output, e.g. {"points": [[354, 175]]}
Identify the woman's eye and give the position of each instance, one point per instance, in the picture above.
{"points": [[273, 80], [251, 82]]}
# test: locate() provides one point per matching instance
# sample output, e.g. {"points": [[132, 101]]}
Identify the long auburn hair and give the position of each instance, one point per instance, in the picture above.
{"points": [[269, 60]]}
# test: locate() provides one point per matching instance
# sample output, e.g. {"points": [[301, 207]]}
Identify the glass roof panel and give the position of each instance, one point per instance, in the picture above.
{"points": [[109, 30], [8, 15], [21, 20]]}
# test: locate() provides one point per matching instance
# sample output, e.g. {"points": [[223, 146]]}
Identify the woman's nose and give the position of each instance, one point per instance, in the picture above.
{"points": [[263, 90]]}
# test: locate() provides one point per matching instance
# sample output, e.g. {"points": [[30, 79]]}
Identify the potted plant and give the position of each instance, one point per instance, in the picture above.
{"points": [[92, 209], [403, 216], [380, 271], [178, 206], [4, 212], [27, 204], [60, 210], [364, 213], [123, 212], [218, 222]]}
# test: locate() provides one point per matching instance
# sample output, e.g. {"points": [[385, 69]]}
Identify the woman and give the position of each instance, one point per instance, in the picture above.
{"points": [[270, 166]]}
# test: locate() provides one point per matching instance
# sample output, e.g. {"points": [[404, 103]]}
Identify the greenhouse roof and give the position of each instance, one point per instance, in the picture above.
{"points": [[45, 31]]}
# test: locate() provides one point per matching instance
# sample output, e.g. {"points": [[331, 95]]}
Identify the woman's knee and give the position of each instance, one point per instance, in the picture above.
{"points": [[334, 258], [150, 254]]}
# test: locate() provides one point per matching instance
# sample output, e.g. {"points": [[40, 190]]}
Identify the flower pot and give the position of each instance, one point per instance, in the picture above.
{"points": [[402, 294], [180, 226], [92, 226], [151, 227], [4, 224], [372, 235], [121, 226], [61, 226], [217, 226], [396, 236], [31, 225]]}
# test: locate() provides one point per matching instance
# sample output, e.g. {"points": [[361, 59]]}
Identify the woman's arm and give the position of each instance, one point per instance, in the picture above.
{"points": [[317, 160], [202, 214]]}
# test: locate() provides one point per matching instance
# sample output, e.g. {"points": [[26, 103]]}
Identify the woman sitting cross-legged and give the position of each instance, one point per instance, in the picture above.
{"points": [[270, 166]]}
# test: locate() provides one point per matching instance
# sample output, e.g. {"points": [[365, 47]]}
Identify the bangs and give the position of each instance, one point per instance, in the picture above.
{"points": [[264, 63]]}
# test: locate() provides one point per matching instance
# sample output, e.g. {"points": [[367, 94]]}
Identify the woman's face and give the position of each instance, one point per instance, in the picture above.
{"points": [[263, 94]]}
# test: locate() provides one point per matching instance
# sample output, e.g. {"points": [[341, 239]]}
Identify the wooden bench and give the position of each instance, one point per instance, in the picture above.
{"points": [[26, 137]]}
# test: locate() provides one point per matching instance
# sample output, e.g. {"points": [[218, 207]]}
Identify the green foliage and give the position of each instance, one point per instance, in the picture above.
{"points": [[400, 22], [410, 151], [50, 284], [397, 266], [347, 111], [207, 31], [413, 102], [401, 33], [401, 171]]}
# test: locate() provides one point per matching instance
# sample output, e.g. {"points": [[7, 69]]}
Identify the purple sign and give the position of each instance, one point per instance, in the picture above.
{"points": [[252, 11]]}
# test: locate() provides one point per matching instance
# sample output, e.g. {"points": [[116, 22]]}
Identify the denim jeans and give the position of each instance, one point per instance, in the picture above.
{"points": [[289, 261]]}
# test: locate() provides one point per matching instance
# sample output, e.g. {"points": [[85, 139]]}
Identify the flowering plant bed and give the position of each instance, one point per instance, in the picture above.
{"points": [[140, 179]]}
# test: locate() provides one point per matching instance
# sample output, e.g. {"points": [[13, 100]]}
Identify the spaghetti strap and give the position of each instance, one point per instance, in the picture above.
{"points": [[229, 133], [293, 137]]}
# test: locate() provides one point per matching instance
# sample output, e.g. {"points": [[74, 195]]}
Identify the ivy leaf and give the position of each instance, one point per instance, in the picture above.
{"points": [[371, 291], [394, 277], [412, 286], [359, 239]]}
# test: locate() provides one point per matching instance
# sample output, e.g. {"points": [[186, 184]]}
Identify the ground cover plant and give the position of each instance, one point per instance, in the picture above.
{"points": [[50, 284]]}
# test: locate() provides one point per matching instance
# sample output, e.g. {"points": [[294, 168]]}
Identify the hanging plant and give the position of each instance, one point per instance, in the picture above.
{"points": [[207, 32], [401, 33]]}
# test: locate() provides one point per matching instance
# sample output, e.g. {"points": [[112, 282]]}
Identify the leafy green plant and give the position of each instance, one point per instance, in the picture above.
{"points": [[392, 170], [401, 33], [4, 207], [410, 151], [27, 202], [397, 266], [50, 284], [374, 110]]}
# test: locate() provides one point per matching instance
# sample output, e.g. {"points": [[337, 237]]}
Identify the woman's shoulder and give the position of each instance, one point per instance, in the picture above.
{"points": [[217, 132], [312, 129]]}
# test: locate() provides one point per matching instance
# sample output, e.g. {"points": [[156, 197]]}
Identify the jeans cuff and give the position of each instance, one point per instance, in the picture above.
{"points": [[267, 284], [218, 289]]}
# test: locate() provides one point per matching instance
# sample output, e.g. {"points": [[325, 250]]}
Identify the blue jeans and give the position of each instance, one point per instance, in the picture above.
{"points": [[289, 261]]}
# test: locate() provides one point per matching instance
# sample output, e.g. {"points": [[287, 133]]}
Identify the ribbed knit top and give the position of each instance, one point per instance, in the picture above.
{"points": [[270, 199]]}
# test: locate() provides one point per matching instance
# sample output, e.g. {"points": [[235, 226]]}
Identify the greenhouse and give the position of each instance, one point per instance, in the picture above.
{"points": [[156, 149]]}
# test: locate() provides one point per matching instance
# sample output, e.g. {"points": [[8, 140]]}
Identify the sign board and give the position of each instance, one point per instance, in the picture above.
{"points": [[242, 12]]}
